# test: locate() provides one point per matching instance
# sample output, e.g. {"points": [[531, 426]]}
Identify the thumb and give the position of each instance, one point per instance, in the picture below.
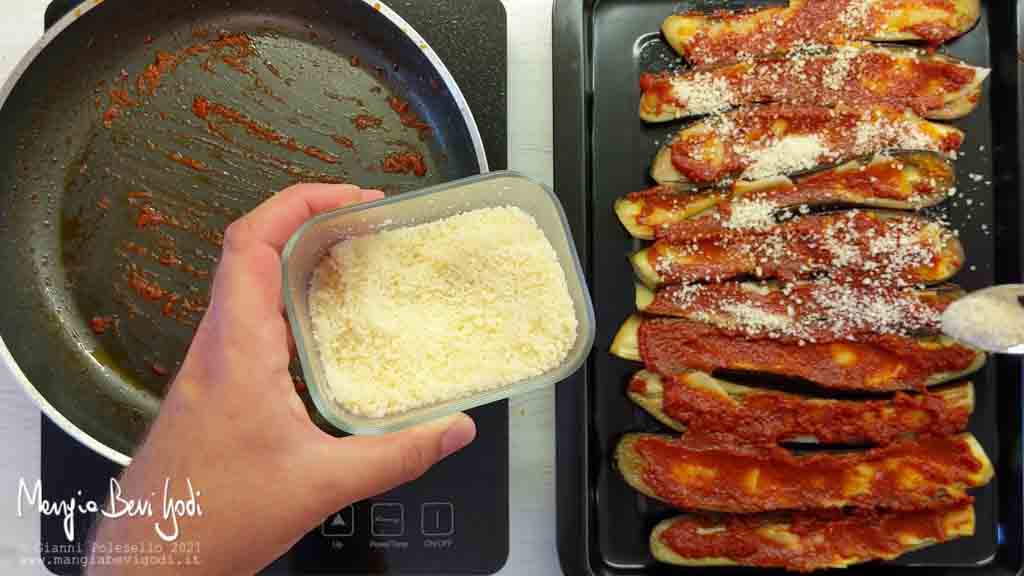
{"points": [[365, 466]]}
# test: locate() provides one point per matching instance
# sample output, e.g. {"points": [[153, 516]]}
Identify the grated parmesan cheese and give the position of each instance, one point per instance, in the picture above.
{"points": [[837, 73], [785, 156], [703, 93], [414, 316], [754, 320], [875, 131], [809, 311], [855, 16], [751, 214]]}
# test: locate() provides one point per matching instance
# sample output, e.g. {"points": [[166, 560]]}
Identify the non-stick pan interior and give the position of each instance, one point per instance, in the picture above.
{"points": [[141, 130]]}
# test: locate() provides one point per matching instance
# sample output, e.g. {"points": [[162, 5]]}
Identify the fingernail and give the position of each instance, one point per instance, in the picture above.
{"points": [[457, 436], [371, 195]]}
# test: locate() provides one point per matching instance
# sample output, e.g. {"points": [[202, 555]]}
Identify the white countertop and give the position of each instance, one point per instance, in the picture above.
{"points": [[532, 466]]}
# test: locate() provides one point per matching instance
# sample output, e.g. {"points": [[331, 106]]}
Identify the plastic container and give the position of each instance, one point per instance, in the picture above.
{"points": [[307, 247]]}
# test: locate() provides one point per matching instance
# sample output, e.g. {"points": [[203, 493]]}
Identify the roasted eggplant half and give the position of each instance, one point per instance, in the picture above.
{"points": [[718, 475], [870, 248], [901, 180], [723, 35], [806, 541], [885, 363], [700, 404], [933, 85], [770, 140], [813, 311]]}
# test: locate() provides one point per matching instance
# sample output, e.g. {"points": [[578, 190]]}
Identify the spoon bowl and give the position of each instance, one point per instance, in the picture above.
{"points": [[991, 319]]}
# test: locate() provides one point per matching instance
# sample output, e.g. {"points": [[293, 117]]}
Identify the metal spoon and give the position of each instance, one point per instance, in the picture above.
{"points": [[991, 319]]}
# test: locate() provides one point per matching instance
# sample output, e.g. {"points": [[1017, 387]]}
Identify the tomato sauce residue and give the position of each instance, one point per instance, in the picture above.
{"points": [[813, 22], [879, 363], [143, 286], [408, 117], [404, 163], [366, 122], [148, 216], [345, 99], [204, 109], [100, 324], [160, 268], [159, 369], [182, 309], [112, 113], [197, 165], [819, 539], [134, 248], [766, 417], [149, 80], [169, 259], [711, 473], [321, 155], [234, 50], [344, 142], [121, 97], [195, 272]]}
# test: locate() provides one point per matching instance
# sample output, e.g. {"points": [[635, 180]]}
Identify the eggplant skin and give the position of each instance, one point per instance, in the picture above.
{"points": [[626, 344], [631, 465], [651, 399], [664, 172], [644, 271], [956, 522]]}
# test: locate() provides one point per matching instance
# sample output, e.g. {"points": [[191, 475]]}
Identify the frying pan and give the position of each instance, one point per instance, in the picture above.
{"points": [[136, 131]]}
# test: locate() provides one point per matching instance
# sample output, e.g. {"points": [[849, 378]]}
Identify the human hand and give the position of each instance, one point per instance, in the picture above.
{"points": [[234, 426]]}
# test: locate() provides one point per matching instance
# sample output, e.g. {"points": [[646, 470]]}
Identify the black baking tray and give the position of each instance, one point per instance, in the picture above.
{"points": [[603, 150]]}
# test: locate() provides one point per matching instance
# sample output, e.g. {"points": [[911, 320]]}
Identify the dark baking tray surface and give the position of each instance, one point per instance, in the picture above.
{"points": [[603, 150]]}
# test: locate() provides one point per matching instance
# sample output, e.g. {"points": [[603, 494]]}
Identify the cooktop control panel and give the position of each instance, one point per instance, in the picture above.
{"points": [[452, 520]]}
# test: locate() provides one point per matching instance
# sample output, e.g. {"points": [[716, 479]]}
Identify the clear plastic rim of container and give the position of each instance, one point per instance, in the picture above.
{"points": [[587, 326]]}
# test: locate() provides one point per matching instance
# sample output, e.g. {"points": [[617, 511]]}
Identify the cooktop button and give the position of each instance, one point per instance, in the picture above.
{"points": [[387, 520], [437, 519], [341, 524]]}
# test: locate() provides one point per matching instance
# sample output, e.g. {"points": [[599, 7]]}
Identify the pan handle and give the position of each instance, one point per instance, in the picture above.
{"points": [[56, 10]]}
